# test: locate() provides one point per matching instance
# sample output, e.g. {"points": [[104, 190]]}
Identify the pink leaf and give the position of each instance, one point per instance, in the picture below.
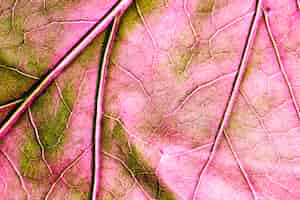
{"points": [[200, 101]]}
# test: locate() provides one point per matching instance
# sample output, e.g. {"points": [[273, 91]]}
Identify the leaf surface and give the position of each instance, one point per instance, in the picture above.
{"points": [[170, 78]]}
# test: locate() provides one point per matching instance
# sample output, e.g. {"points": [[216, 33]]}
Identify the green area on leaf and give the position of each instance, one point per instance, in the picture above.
{"points": [[51, 121], [91, 52], [131, 16], [11, 30], [55, 5], [146, 175], [78, 195], [52, 132], [147, 6], [34, 63], [8, 56], [13, 85], [52, 116], [206, 6], [115, 137], [31, 164]]}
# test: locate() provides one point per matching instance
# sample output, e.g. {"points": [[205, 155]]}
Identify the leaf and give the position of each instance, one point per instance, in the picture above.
{"points": [[54, 112], [177, 125]]}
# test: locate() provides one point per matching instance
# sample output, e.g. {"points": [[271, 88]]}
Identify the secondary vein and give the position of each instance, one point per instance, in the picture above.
{"points": [[99, 107], [234, 92], [280, 63]]}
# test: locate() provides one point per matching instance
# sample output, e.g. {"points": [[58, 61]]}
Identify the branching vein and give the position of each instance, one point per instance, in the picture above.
{"points": [[37, 137], [17, 172], [280, 63], [70, 166], [234, 93], [62, 64], [129, 171]]}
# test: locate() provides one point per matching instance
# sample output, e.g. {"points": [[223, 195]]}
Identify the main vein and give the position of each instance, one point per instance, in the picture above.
{"points": [[62, 64], [99, 107], [234, 92]]}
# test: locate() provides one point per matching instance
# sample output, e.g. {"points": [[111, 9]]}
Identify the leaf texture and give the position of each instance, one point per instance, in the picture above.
{"points": [[171, 77]]}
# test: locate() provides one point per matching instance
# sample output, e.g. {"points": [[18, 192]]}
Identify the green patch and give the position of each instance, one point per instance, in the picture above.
{"points": [[147, 6], [106, 136], [11, 30], [118, 132], [131, 16], [181, 59], [31, 148], [146, 175], [206, 6], [33, 169], [112, 135], [57, 5], [14, 50], [107, 196], [8, 56], [91, 52], [25, 58], [52, 116], [5, 26], [52, 133], [128, 21], [31, 164], [17, 23], [78, 195], [13, 85], [68, 94], [116, 142], [179, 69], [34, 63]]}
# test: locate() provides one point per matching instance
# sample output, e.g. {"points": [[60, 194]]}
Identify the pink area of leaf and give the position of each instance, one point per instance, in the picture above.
{"points": [[169, 81]]}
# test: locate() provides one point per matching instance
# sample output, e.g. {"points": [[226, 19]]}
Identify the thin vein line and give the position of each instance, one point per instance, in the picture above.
{"points": [[13, 13], [60, 94], [234, 92], [134, 77], [37, 137], [99, 108], [82, 79], [130, 172], [5, 185], [19, 72], [241, 167], [62, 64], [259, 118], [188, 15], [10, 104], [17, 172], [44, 4], [76, 160], [131, 135], [202, 86], [219, 30], [284, 187], [234, 21], [280, 63], [73, 21], [146, 24], [257, 115], [147, 27], [182, 153]]}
